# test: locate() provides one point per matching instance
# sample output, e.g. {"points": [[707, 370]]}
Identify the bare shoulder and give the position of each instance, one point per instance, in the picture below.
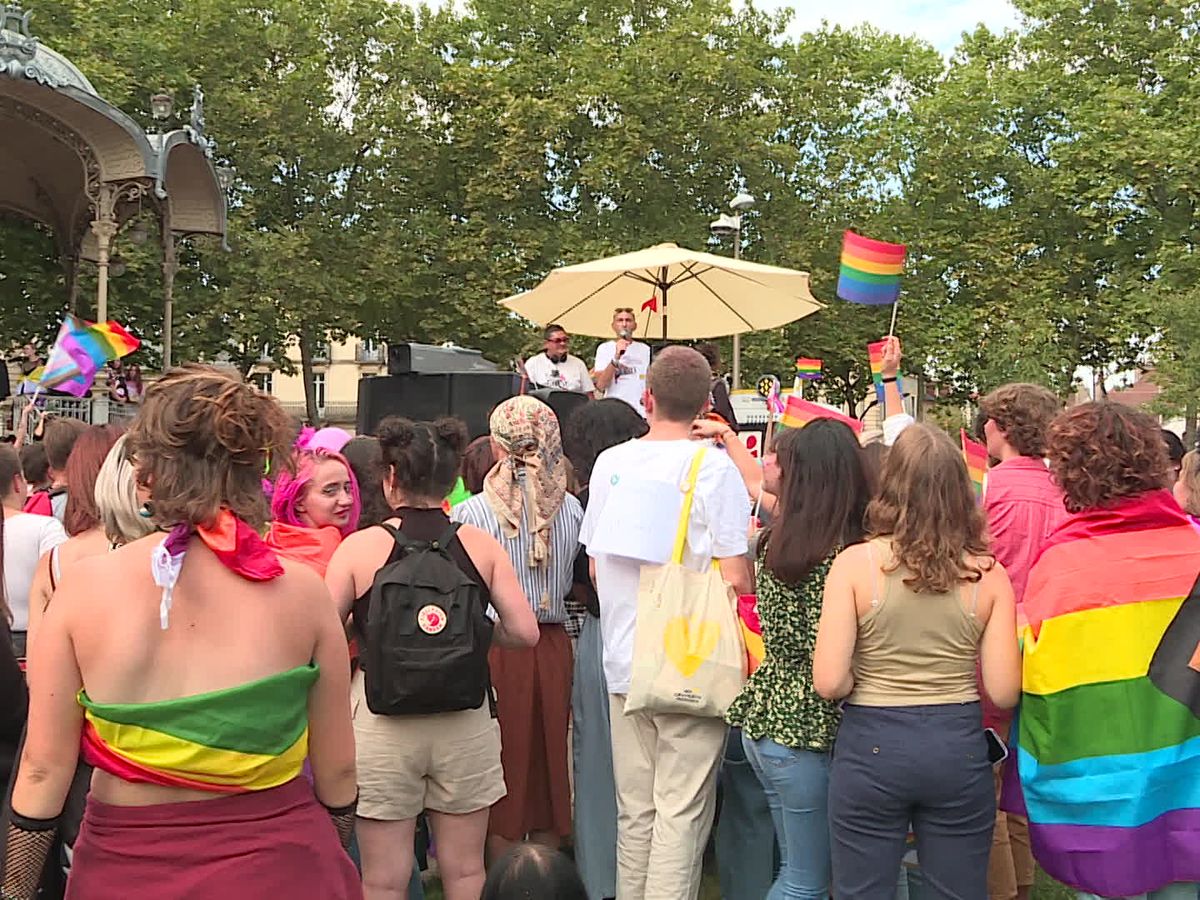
{"points": [[853, 558]]}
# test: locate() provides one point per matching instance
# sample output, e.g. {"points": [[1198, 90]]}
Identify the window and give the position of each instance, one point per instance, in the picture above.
{"points": [[264, 381], [322, 352], [319, 389]]}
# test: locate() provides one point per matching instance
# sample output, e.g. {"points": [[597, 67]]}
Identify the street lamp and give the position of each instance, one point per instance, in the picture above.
{"points": [[724, 226], [162, 105]]}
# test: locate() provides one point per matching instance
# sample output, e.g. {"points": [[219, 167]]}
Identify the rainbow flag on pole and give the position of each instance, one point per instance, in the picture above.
{"points": [[799, 413], [875, 352], [79, 351], [808, 369], [1108, 737], [975, 455], [870, 271]]}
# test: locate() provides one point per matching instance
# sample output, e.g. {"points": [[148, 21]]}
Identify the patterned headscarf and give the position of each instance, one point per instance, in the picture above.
{"points": [[527, 429]]}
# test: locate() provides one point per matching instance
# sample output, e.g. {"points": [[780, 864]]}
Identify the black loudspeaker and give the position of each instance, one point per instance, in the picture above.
{"points": [[5, 385], [564, 403], [471, 396]]}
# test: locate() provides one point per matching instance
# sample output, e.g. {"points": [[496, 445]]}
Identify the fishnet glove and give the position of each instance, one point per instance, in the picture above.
{"points": [[343, 821], [28, 844]]}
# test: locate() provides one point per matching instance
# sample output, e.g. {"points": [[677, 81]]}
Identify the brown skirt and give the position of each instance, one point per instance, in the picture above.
{"points": [[275, 843], [533, 703]]}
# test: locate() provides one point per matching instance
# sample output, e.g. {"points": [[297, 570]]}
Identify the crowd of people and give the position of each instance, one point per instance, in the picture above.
{"points": [[262, 663]]}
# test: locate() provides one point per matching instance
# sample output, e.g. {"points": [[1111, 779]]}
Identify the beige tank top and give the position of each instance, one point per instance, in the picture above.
{"points": [[914, 649]]}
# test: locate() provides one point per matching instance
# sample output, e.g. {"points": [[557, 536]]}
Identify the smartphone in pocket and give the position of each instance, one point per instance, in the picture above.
{"points": [[997, 750]]}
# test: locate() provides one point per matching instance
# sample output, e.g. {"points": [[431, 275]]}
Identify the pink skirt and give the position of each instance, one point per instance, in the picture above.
{"points": [[275, 843]]}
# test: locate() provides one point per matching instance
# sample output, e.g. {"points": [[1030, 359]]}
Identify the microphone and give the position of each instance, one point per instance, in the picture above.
{"points": [[625, 335]]}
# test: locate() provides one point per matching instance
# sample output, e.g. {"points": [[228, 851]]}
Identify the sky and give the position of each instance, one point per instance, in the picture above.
{"points": [[940, 22]]}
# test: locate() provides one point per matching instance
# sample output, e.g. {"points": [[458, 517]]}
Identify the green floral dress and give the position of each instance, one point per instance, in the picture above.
{"points": [[778, 701]]}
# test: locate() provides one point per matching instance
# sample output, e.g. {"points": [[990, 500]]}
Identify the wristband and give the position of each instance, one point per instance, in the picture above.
{"points": [[891, 380]]}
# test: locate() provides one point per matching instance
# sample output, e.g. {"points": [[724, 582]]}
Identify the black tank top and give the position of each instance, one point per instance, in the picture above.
{"points": [[423, 525]]}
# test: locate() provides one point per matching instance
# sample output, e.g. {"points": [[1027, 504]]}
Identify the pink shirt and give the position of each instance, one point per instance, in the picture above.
{"points": [[1023, 506]]}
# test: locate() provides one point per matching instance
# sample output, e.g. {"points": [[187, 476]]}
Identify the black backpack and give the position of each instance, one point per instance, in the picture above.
{"points": [[427, 634]]}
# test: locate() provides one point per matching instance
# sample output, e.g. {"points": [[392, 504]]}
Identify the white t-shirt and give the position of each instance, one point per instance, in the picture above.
{"points": [[717, 529], [27, 537], [569, 375], [629, 382]]}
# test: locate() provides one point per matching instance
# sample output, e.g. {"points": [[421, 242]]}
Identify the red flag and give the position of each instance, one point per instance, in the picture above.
{"points": [[651, 304]]}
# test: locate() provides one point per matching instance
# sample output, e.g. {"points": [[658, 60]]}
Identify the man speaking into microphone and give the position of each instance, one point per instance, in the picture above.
{"points": [[621, 365]]}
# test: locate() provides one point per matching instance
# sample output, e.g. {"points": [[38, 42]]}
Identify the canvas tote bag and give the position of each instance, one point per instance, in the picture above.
{"points": [[688, 655]]}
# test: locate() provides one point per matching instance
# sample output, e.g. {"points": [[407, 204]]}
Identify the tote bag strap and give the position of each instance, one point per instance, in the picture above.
{"points": [[686, 513]]}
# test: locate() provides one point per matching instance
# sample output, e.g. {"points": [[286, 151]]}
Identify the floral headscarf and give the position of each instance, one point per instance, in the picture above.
{"points": [[527, 429]]}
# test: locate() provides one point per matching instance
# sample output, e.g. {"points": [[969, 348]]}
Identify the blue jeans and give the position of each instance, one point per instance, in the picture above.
{"points": [[747, 858], [796, 783]]}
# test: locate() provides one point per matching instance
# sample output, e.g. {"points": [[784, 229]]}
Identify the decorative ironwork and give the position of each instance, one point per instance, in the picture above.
{"points": [[18, 48], [195, 128]]}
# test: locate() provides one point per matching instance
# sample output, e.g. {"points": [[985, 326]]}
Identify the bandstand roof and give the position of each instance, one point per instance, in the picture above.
{"points": [[62, 141]]}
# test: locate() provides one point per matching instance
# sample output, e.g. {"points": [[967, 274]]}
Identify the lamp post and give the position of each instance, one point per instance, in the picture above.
{"points": [[727, 224]]}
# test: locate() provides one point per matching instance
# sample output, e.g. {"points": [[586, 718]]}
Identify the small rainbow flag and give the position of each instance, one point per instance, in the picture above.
{"points": [[870, 270], [875, 352], [808, 369], [79, 351], [975, 455], [799, 413]]}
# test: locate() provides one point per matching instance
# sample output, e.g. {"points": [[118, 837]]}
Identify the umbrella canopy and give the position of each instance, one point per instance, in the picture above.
{"points": [[676, 294]]}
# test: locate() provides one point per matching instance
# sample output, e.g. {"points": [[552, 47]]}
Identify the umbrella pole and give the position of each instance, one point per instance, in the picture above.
{"points": [[663, 286]]}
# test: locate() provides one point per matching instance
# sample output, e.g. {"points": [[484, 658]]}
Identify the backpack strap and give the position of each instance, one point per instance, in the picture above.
{"points": [[401, 539], [447, 538]]}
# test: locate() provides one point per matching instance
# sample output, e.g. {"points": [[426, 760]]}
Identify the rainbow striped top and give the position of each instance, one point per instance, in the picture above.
{"points": [[245, 738], [1108, 745]]}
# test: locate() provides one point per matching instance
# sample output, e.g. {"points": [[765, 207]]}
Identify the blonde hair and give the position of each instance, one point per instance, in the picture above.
{"points": [[1189, 476], [117, 500]]}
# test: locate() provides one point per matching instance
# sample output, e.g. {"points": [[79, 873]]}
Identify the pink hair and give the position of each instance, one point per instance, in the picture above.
{"points": [[289, 489]]}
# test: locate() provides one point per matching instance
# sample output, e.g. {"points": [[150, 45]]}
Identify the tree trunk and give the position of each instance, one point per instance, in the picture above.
{"points": [[1190, 414], [306, 374]]}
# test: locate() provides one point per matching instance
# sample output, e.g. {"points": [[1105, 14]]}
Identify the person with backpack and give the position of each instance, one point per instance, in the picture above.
{"points": [[418, 588], [525, 505]]}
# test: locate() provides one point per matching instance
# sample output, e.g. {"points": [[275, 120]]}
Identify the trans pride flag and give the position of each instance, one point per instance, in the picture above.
{"points": [[79, 351], [1108, 738]]}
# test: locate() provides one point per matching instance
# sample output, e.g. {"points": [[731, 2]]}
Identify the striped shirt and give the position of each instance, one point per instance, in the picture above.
{"points": [[546, 588]]}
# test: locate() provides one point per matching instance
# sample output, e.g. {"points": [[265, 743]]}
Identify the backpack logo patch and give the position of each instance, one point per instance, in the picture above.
{"points": [[431, 619]]}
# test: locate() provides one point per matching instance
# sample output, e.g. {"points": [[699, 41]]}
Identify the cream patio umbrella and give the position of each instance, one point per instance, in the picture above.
{"points": [[676, 294]]}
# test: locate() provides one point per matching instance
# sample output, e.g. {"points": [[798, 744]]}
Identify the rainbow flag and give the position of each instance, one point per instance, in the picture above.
{"points": [[799, 413], [79, 351], [1108, 737], [975, 455], [808, 369], [875, 353], [245, 738], [870, 270]]}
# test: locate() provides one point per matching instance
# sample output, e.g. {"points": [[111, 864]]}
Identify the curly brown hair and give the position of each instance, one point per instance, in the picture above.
{"points": [[927, 506], [1024, 413], [1102, 452], [203, 441]]}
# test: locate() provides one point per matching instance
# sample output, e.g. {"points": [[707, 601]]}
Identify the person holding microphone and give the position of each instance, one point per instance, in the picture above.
{"points": [[621, 364]]}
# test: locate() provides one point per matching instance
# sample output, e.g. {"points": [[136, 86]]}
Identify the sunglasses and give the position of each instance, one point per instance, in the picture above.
{"points": [[561, 339], [623, 309]]}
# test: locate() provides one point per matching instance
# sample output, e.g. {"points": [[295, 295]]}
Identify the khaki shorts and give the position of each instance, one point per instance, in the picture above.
{"points": [[449, 762]]}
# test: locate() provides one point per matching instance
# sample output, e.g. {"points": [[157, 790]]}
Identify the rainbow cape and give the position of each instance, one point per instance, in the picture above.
{"points": [[975, 455], [79, 351], [870, 271], [799, 413], [1108, 736], [245, 738], [808, 369], [875, 353]]}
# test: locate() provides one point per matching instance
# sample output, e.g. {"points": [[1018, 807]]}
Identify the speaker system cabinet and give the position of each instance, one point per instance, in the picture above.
{"points": [[471, 396]]}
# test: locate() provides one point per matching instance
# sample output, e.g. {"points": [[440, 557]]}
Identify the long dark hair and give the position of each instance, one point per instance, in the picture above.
{"points": [[824, 492]]}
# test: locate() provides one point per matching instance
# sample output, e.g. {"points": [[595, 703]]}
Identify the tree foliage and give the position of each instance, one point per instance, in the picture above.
{"points": [[400, 169]]}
